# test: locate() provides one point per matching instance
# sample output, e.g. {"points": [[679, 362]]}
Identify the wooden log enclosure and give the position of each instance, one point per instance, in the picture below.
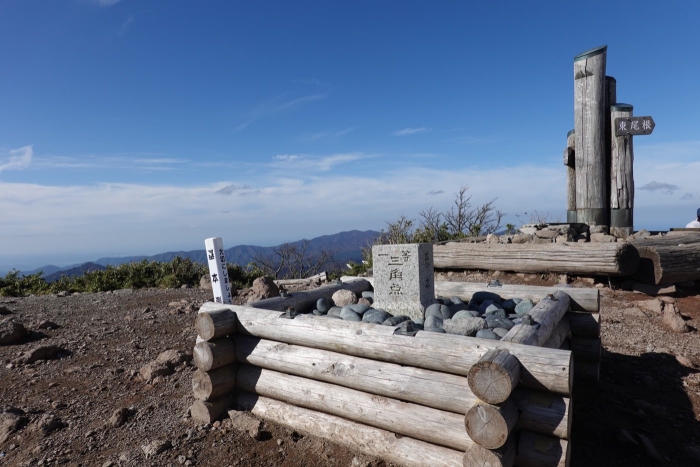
{"points": [[306, 300], [542, 368], [546, 314], [494, 377], [590, 109], [613, 259], [667, 259]]}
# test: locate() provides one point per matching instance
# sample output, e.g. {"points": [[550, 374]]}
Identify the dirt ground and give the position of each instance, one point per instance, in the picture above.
{"points": [[89, 406]]}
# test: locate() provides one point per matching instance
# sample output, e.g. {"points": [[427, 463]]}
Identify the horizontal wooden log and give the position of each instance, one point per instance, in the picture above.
{"points": [[546, 314], [668, 259], [209, 385], [215, 323], [543, 412], [321, 277], [541, 368], [372, 441], [538, 450], [490, 425], [581, 299], [586, 348], [209, 411], [305, 301], [494, 376], [211, 355], [434, 389], [612, 259], [478, 456], [584, 324], [423, 423]]}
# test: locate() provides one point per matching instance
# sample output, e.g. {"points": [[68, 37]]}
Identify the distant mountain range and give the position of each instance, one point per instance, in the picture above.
{"points": [[345, 247]]}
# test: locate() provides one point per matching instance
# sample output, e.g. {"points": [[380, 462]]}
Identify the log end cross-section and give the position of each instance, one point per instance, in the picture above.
{"points": [[494, 376]]}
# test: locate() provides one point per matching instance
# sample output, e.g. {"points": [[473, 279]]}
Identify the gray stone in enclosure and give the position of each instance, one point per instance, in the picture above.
{"points": [[483, 295], [395, 320], [517, 320], [473, 306], [359, 308], [330, 316], [368, 294], [418, 321], [464, 314], [375, 316], [441, 300], [485, 305], [344, 297], [348, 315], [524, 307], [323, 304], [465, 326], [500, 313], [456, 300], [319, 312], [441, 311], [487, 334], [433, 323], [455, 307], [510, 304], [498, 322], [11, 331], [334, 311], [500, 332], [491, 309]]}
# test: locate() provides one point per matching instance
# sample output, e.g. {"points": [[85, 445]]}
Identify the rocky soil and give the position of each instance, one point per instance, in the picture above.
{"points": [[86, 386]]}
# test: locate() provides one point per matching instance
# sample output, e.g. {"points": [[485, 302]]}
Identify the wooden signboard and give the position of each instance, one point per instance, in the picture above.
{"points": [[634, 126]]}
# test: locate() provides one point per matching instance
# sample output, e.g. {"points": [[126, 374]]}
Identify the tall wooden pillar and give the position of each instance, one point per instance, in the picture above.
{"points": [[610, 99], [570, 163], [590, 109], [621, 176]]}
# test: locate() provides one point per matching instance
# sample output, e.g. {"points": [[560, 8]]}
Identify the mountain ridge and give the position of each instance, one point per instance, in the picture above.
{"points": [[345, 247]]}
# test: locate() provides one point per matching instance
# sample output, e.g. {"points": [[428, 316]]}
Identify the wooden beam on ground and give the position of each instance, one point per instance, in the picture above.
{"points": [[209, 385], [490, 425], [306, 300], [372, 441], [543, 412], [419, 422], [547, 314], [215, 354], [541, 368], [494, 376], [612, 259], [668, 259], [478, 456]]}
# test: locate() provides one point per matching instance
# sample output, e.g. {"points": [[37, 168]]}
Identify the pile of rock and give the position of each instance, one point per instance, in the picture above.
{"points": [[486, 315], [557, 233]]}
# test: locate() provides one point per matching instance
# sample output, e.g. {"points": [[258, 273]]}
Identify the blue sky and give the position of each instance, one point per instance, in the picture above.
{"points": [[138, 127]]}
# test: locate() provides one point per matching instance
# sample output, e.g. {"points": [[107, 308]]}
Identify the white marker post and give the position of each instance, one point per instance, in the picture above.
{"points": [[217, 270]]}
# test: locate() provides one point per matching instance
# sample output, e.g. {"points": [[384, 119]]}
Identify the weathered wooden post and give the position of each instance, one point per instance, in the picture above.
{"points": [[590, 109], [570, 163], [623, 127], [610, 99]]}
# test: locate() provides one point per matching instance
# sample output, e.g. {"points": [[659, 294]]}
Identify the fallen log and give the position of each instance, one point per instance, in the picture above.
{"points": [[546, 314], [490, 425], [494, 376], [372, 441], [306, 301], [668, 259], [613, 259], [434, 389], [419, 422], [541, 368]]}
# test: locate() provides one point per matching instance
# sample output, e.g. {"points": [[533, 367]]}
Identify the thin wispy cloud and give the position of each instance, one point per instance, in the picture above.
{"points": [[275, 106], [126, 25], [19, 159], [106, 3], [687, 196], [308, 163], [244, 190], [109, 163], [411, 131], [659, 186], [434, 192], [327, 134]]}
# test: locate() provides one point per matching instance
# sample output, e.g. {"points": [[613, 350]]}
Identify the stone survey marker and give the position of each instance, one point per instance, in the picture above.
{"points": [[403, 278]]}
